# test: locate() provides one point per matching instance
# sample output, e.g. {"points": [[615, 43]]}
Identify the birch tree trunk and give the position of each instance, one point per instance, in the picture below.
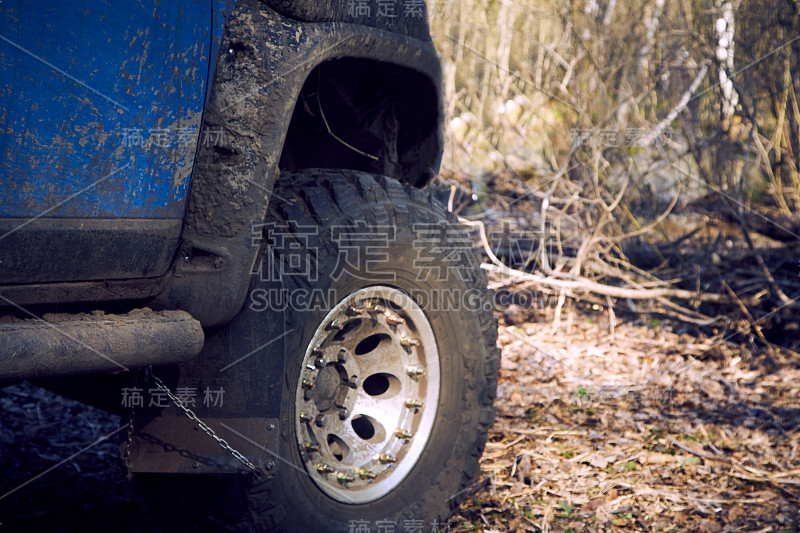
{"points": [[725, 29]]}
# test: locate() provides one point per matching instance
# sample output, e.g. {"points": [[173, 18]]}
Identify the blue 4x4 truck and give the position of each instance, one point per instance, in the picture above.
{"points": [[213, 223]]}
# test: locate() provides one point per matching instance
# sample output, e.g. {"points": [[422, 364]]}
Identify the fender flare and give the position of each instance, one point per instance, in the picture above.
{"points": [[263, 62]]}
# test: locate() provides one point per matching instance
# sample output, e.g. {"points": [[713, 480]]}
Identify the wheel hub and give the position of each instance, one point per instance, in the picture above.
{"points": [[327, 387], [367, 395]]}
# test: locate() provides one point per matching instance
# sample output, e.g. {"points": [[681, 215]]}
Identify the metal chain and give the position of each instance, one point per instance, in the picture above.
{"points": [[210, 432], [129, 439]]}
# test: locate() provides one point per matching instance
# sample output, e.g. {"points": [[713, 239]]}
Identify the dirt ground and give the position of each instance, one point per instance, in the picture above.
{"points": [[643, 426]]}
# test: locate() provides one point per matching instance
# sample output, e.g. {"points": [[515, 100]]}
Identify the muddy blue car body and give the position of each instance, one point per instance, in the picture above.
{"points": [[115, 113]]}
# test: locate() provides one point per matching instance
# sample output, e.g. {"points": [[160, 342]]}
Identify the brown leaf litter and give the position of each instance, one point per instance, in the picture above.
{"points": [[638, 428]]}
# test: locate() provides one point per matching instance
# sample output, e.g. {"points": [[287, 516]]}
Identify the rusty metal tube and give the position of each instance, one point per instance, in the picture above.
{"points": [[63, 344]]}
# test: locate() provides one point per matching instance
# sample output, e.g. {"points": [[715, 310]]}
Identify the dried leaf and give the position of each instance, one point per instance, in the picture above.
{"points": [[709, 526]]}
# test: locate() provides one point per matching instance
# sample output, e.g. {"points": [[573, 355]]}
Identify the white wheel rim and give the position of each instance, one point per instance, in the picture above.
{"points": [[367, 395]]}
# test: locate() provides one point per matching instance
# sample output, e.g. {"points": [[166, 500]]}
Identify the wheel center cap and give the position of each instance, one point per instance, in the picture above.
{"points": [[326, 387]]}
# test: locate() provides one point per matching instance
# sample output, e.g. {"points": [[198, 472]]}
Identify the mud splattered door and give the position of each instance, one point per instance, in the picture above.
{"points": [[100, 110]]}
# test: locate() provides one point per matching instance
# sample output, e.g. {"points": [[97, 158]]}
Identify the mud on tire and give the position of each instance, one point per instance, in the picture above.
{"points": [[391, 370]]}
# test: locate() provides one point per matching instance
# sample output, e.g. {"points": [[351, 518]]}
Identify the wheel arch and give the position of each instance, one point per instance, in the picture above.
{"points": [[265, 60], [361, 113]]}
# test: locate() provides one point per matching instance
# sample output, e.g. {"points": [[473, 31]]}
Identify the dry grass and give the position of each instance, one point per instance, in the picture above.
{"points": [[648, 428]]}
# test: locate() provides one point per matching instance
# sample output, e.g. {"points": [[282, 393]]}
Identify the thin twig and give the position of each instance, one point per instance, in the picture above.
{"points": [[342, 141], [583, 284], [753, 325]]}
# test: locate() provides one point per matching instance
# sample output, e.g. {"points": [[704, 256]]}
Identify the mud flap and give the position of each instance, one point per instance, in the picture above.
{"points": [[234, 385], [189, 450]]}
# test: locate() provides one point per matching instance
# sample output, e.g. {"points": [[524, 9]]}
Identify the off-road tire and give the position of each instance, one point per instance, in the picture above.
{"points": [[465, 333]]}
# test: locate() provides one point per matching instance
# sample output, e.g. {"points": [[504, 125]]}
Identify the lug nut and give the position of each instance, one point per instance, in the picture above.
{"points": [[415, 371], [353, 310], [363, 473], [405, 341], [344, 478], [320, 420], [312, 448], [319, 362], [393, 320], [386, 459], [305, 418], [352, 384], [413, 403], [335, 325], [325, 469], [307, 385], [317, 352], [343, 413], [341, 357], [402, 434], [376, 310]]}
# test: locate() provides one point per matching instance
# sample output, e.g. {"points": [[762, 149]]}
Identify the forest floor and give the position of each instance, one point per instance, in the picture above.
{"points": [[646, 426], [81, 484], [625, 415]]}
